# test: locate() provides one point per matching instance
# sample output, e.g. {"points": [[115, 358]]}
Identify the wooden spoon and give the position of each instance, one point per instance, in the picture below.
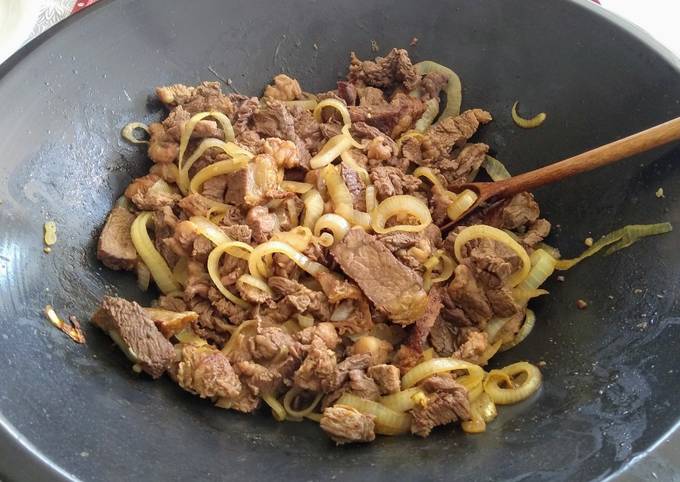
{"points": [[601, 156]]}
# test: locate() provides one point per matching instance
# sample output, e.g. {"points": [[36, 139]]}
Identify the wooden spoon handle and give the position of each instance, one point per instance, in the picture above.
{"points": [[587, 161]]}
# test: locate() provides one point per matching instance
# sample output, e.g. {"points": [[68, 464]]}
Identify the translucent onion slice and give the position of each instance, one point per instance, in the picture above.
{"points": [[326, 240], [180, 270], [217, 169], [360, 219], [241, 330], [454, 94], [447, 263], [542, 266], [189, 337], [143, 276], [495, 169], [309, 103], [296, 187], [408, 135], [128, 132], [426, 120], [330, 151], [313, 208], [349, 161], [278, 411], [371, 198], [403, 401], [335, 104], [256, 259], [358, 145], [233, 248], [482, 231], [482, 410], [189, 127], [290, 397], [438, 365], [338, 192], [387, 421], [256, 283], [517, 393], [298, 237], [461, 204], [228, 148], [209, 230], [160, 271], [429, 174], [535, 121], [305, 321], [527, 326], [400, 205], [334, 223]]}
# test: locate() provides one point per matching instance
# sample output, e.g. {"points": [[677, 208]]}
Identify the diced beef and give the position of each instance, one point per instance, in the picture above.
{"points": [[115, 248], [285, 153], [347, 92], [393, 70], [170, 322], [178, 117], [269, 343], [442, 408], [406, 358], [413, 249], [490, 261], [150, 192], [502, 302], [469, 297], [422, 326], [273, 119], [394, 288], [238, 232], [301, 298], [318, 370], [442, 338], [207, 372], [356, 187], [347, 425], [262, 223], [215, 187], [284, 88], [202, 98], [392, 118], [432, 84], [463, 168], [387, 378], [194, 205], [514, 213], [536, 232], [358, 362], [163, 148], [324, 330], [252, 294], [473, 347], [259, 379], [363, 386], [130, 327], [390, 181]]}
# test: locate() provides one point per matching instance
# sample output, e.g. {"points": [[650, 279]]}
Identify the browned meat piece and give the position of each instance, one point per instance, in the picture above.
{"points": [[390, 181], [423, 325], [514, 213], [202, 98], [115, 248], [163, 148], [318, 370], [473, 347], [150, 192], [261, 222], [386, 377], [284, 88], [301, 298], [251, 294], [285, 153], [347, 425], [215, 187], [370, 96], [463, 168], [502, 302], [469, 297], [490, 261], [413, 249], [537, 232], [358, 362], [238, 232], [206, 372], [270, 342], [347, 92], [393, 118], [442, 136], [326, 331], [242, 189], [259, 379], [171, 303], [356, 187], [136, 334], [442, 338], [310, 131], [432, 84], [195, 205], [178, 117], [170, 322], [362, 385], [406, 358], [273, 119], [393, 70], [394, 288], [439, 204], [246, 107], [382, 147], [442, 408]]}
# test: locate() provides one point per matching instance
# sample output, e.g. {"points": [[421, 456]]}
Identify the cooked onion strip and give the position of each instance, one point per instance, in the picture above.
{"points": [[334, 223], [338, 192], [233, 248], [495, 169], [447, 267], [128, 132], [400, 205], [217, 169], [152, 258], [255, 282], [408, 135], [403, 401], [358, 145], [296, 187], [330, 151], [298, 237], [313, 208], [349, 161], [72, 329], [454, 95], [180, 271], [189, 127], [278, 411], [516, 393], [387, 421], [527, 326], [371, 198], [429, 174], [479, 231], [308, 103], [189, 337], [542, 266], [256, 259], [335, 104], [482, 410], [461, 204], [235, 337], [290, 397], [209, 230], [228, 148], [623, 238], [438, 365], [535, 121], [426, 120]]}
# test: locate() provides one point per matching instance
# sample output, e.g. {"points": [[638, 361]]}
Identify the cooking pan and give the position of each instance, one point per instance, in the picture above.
{"points": [[72, 411]]}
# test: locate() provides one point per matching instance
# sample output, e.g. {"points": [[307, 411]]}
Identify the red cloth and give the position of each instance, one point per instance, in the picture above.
{"points": [[80, 4]]}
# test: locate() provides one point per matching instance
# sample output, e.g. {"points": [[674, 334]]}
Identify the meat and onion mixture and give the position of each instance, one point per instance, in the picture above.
{"points": [[296, 240]]}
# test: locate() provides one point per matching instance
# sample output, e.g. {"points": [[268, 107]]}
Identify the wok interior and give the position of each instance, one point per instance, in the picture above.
{"points": [[607, 392]]}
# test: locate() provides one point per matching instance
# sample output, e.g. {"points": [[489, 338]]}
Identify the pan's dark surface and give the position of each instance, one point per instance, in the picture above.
{"points": [[611, 374]]}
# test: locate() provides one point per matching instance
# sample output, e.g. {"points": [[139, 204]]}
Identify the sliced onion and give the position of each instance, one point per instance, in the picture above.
{"points": [[217, 169], [506, 396], [298, 237], [402, 401], [143, 276], [334, 223], [290, 397], [429, 174], [189, 337], [454, 94], [256, 259], [305, 321], [542, 266], [129, 129], [335, 104], [240, 331], [461, 204], [278, 411], [479, 231], [387, 422], [349, 161], [209, 230], [438, 365], [338, 192], [233, 248], [228, 148], [180, 270], [330, 151], [152, 258], [313, 208], [188, 129], [371, 198], [495, 169], [400, 205], [535, 121], [527, 326], [296, 187], [358, 145], [412, 134], [448, 266], [256, 283], [426, 120]]}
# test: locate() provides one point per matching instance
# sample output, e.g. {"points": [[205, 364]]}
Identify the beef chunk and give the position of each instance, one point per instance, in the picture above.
{"points": [[195, 205], [259, 379], [163, 148], [394, 288], [502, 302], [171, 322], [130, 327], [347, 425], [393, 70], [386, 377], [178, 117], [390, 181], [284, 88], [301, 298], [442, 408], [150, 192], [473, 346], [269, 343], [356, 187], [347, 92], [423, 325], [392, 118], [463, 168], [536, 232], [362, 385], [514, 213], [115, 248], [406, 358], [491, 262], [469, 297], [318, 370], [273, 119], [261, 222], [202, 98], [442, 338], [324, 330], [207, 372], [432, 84]]}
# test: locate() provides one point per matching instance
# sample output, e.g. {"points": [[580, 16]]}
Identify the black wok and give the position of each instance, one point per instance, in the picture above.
{"points": [[610, 391]]}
